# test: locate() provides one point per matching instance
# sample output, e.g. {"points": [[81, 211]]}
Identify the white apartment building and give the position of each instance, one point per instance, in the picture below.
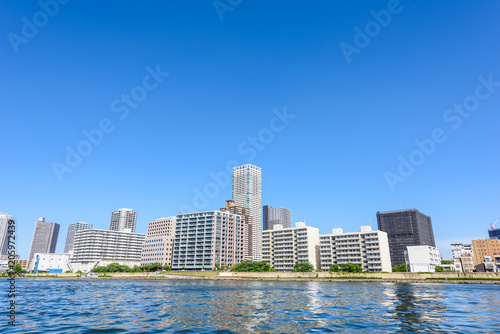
{"points": [[368, 249], [422, 258], [50, 262], [96, 247], [282, 247], [157, 247], [247, 193], [458, 249], [457, 265]]}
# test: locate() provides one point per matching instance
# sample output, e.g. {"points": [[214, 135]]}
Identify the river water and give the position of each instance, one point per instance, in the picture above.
{"points": [[231, 306]]}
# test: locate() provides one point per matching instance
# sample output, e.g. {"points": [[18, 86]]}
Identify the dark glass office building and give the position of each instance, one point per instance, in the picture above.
{"points": [[273, 216], [405, 228], [494, 233]]}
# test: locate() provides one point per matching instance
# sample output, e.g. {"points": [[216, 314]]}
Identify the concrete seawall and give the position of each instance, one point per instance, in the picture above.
{"points": [[491, 278], [389, 276]]}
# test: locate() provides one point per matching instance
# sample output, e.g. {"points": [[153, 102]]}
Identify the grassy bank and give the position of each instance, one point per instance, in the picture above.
{"points": [[206, 273]]}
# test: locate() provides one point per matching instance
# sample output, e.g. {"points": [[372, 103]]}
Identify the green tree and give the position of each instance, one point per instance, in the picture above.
{"points": [[111, 268], [152, 267], [17, 268], [439, 269], [400, 268], [334, 268], [135, 269], [167, 268], [251, 266], [303, 267], [351, 268], [446, 262]]}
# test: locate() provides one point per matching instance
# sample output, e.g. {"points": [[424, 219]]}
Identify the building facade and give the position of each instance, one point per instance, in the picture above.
{"points": [[157, 247], [485, 247], [467, 262], [25, 264], [247, 221], [4, 229], [368, 249], [405, 228], [206, 240], [458, 249], [494, 233], [488, 266], [247, 193], [96, 247], [49, 262], [282, 247], [274, 216], [422, 258], [44, 237], [70, 236], [123, 220]]}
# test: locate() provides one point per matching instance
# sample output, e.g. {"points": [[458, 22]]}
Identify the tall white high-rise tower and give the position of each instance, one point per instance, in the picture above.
{"points": [[4, 232], [247, 192], [123, 220]]}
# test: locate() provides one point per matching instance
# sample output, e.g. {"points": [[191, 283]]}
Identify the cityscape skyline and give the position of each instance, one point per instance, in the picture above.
{"points": [[409, 120], [446, 251], [250, 166]]}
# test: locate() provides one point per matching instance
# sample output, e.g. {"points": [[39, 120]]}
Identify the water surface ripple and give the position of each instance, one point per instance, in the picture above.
{"points": [[224, 306]]}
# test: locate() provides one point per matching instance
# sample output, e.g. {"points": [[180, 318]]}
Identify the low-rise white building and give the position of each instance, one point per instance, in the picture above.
{"points": [[422, 258], [458, 249], [95, 247], [457, 264], [49, 262], [368, 249], [282, 247]]}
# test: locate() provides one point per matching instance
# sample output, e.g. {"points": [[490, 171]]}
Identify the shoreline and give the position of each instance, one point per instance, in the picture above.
{"points": [[411, 278]]}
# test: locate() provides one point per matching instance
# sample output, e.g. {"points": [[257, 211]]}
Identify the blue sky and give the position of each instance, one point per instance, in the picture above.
{"points": [[221, 82]]}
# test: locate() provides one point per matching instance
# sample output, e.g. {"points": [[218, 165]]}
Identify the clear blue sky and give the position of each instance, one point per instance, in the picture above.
{"points": [[353, 119]]}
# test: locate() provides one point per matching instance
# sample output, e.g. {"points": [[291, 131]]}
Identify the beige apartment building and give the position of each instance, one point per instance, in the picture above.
{"points": [[206, 240], [247, 221], [485, 247], [467, 262], [157, 247]]}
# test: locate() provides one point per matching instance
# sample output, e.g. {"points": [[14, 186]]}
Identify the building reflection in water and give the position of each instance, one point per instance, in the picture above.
{"points": [[419, 308]]}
